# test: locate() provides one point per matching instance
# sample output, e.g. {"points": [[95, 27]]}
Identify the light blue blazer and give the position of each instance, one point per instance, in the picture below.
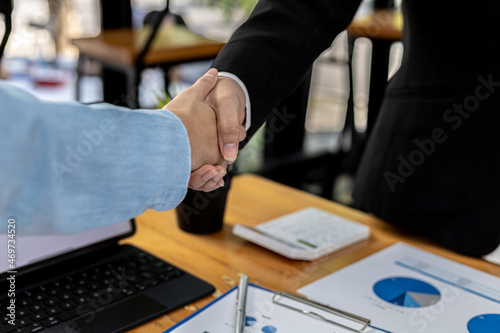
{"points": [[67, 167]]}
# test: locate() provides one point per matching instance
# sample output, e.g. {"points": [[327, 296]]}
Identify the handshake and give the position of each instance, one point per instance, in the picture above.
{"points": [[213, 112]]}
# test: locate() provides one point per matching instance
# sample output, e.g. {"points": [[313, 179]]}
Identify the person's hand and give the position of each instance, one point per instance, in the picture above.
{"points": [[3, 72], [228, 101], [208, 178], [200, 122]]}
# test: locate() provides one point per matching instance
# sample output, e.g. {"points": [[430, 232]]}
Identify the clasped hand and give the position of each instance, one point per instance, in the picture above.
{"points": [[196, 111]]}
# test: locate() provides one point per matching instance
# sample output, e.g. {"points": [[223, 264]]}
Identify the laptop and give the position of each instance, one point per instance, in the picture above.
{"points": [[87, 283]]}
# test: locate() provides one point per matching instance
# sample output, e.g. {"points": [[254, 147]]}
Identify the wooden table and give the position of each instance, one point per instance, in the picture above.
{"points": [[122, 50], [385, 24], [173, 44], [221, 258]]}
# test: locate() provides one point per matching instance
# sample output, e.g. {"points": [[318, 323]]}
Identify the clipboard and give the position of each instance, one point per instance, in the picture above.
{"points": [[270, 312], [280, 296]]}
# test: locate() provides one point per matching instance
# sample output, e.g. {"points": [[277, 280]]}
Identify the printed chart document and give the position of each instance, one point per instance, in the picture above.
{"points": [[262, 316], [406, 290]]}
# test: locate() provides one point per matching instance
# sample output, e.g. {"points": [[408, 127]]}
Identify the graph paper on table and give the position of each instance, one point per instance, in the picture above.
{"points": [[407, 290]]}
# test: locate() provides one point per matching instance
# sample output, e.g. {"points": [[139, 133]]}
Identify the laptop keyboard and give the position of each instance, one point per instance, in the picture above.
{"points": [[85, 291]]}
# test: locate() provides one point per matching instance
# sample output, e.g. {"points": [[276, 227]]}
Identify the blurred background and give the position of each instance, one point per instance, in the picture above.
{"points": [[41, 58]]}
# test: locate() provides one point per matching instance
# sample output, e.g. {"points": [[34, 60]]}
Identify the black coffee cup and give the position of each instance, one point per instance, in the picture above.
{"points": [[203, 212]]}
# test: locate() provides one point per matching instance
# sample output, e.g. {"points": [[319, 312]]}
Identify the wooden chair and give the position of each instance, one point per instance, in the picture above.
{"points": [[130, 51], [284, 159]]}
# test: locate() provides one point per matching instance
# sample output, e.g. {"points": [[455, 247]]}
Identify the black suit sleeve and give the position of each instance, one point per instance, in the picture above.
{"points": [[274, 48]]}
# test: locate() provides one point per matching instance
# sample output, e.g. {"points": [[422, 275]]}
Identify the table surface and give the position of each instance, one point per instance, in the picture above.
{"points": [[175, 44], [172, 44], [222, 257], [383, 24]]}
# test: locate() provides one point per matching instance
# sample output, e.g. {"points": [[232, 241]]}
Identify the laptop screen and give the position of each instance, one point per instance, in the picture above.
{"points": [[31, 249]]}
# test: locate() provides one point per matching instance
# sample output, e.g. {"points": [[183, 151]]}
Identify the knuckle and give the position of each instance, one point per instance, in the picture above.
{"points": [[229, 128], [208, 186], [195, 182], [243, 133]]}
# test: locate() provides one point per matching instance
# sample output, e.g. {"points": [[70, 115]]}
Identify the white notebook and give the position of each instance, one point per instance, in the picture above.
{"points": [[307, 234]]}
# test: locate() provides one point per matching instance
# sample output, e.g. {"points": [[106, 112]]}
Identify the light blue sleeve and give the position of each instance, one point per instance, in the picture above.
{"points": [[67, 167]]}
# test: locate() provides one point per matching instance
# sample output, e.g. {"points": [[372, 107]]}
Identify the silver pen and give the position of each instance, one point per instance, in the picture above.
{"points": [[241, 304]]}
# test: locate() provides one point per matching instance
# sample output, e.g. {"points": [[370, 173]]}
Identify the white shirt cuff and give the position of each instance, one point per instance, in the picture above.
{"points": [[247, 98]]}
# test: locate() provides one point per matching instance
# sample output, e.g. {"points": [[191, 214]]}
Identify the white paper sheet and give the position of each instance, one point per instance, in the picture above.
{"points": [[406, 290], [493, 257], [263, 316]]}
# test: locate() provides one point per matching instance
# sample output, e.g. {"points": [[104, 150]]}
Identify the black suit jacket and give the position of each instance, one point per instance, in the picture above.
{"points": [[431, 164]]}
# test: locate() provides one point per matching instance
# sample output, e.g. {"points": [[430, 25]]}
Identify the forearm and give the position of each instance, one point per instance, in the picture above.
{"points": [[76, 167]]}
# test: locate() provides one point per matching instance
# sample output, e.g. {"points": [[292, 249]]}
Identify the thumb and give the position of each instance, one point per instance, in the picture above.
{"points": [[205, 84]]}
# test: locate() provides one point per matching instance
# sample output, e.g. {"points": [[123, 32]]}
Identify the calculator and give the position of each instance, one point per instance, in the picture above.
{"points": [[307, 234]]}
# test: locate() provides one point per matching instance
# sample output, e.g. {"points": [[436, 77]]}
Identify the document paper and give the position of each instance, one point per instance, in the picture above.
{"points": [[262, 316], [406, 290]]}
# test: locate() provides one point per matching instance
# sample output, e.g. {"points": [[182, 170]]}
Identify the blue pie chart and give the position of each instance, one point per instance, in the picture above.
{"points": [[250, 321], [407, 292], [269, 329], [487, 323]]}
